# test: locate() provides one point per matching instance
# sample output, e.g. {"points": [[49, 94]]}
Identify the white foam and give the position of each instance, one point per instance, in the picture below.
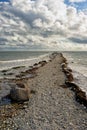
{"points": [[79, 71], [22, 62], [76, 65], [80, 80]]}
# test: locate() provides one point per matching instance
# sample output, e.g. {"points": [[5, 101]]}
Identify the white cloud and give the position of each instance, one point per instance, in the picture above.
{"points": [[77, 1], [42, 24]]}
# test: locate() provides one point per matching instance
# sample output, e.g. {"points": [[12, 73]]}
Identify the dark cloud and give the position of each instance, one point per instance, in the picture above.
{"points": [[78, 40]]}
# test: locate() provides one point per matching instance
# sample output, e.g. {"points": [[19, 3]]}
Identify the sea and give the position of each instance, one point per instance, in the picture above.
{"points": [[77, 61], [9, 59]]}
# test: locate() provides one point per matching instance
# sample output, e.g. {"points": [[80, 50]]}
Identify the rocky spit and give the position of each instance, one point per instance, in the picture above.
{"points": [[51, 104]]}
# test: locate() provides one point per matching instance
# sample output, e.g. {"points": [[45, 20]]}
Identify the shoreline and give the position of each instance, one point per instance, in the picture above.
{"points": [[50, 102], [26, 73], [80, 94]]}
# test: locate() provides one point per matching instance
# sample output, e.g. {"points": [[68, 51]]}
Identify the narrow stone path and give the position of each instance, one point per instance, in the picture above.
{"points": [[51, 107]]}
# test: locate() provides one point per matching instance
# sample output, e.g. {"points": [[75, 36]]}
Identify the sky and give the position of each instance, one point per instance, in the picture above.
{"points": [[59, 25]]}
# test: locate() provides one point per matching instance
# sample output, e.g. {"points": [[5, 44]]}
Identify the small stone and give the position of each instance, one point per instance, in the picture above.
{"points": [[25, 106]]}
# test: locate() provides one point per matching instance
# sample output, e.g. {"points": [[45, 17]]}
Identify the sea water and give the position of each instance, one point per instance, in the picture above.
{"points": [[77, 61], [11, 59]]}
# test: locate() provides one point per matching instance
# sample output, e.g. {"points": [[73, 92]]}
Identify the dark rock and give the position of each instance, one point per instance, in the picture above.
{"points": [[69, 69], [63, 65], [20, 85], [63, 86], [64, 60], [35, 64], [32, 91], [20, 75], [31, 71], [3, 71], [69, 76], [53, 55], [30, 67], [74, 86], [50, 60], [18, 67], [65, 70], [42, 62], [81, 97], [9, 73]]}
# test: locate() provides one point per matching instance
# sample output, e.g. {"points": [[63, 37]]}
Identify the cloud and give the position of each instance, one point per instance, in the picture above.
{"points": [[42, 24], [78, 40], [77, 1]]}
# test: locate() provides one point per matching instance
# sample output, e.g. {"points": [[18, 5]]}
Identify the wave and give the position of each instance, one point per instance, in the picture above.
{"points": [[77, 63], [80, 80], [22, 62], [79, 70]]}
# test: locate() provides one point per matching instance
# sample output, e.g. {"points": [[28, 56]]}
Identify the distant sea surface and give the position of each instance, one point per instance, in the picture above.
{"points": [[77, 61], [9, 59], [18, 55]]}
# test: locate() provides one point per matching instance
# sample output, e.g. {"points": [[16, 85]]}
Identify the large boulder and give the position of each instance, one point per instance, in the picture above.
{"points": [[20, 92]]}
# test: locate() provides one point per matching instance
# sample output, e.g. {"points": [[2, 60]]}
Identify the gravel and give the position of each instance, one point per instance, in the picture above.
{"points": [[51, 107]]}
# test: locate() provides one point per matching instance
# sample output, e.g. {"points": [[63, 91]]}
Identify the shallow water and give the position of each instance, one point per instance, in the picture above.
{"points": [[5, 101], [77, 61], [23, 63], [22, 58]]}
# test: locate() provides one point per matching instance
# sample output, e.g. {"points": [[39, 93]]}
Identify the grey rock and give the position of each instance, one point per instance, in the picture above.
{"points": [[20, 92]]}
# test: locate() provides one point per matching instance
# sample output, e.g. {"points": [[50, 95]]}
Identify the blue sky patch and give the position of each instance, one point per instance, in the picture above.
{"points": [[78, 5]]}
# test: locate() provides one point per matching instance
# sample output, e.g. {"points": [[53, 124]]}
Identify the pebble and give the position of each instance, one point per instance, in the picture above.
{"points": [[25, 106], [41, 113]]}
